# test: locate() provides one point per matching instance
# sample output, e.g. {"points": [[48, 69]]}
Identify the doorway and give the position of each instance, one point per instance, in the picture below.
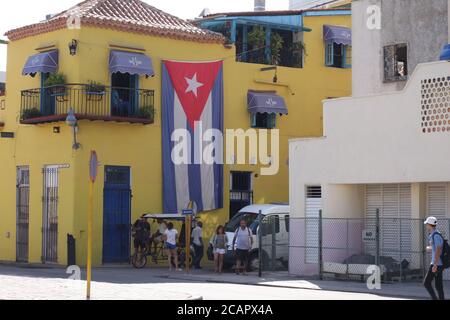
{"points": [[116, 215], [124, 94], [241, 191], [50, 215], [23, 213]]}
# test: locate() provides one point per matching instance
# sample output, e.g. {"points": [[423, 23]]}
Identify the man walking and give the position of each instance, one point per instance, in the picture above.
{"points": [[197, 241], [436, 267], [242, 244]]}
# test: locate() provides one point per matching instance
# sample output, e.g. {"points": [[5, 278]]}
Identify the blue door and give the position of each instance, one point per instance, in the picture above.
{"points": [[116, 215]]}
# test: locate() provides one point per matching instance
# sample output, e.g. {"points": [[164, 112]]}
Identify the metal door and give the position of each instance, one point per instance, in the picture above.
{"points": [[116, 215], [50, 215], [313, 207], [22, 213]]}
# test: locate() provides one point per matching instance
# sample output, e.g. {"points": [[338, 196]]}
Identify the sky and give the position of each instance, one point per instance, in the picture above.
{"points": [[18, 13]]}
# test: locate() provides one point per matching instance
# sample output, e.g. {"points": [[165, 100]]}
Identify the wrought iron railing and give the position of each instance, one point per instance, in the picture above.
{"points": [[88, 101]]}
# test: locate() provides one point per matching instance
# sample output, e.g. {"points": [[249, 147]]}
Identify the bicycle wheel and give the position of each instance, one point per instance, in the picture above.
{"points": [[139, 261]]}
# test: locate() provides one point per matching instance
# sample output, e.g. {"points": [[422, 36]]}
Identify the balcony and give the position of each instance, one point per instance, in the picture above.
{"points": [[288, 57], [89, 102]]}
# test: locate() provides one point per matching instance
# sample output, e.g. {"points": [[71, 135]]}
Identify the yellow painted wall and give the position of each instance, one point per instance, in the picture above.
{"points": [[139, 146]]}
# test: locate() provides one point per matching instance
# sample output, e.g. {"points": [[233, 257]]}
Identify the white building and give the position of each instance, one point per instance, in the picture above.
{"points": [[385, 151]]}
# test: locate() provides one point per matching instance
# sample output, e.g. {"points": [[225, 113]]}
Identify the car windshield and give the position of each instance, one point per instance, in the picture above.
{"points": [[252, 220]]}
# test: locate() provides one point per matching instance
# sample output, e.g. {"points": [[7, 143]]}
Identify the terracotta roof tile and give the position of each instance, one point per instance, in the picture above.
{"points": [[123, 15]]}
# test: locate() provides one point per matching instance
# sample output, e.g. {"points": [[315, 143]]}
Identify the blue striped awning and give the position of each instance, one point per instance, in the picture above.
{"points": [[130, 62], [266, 102], [46, 62], [337, 34]]}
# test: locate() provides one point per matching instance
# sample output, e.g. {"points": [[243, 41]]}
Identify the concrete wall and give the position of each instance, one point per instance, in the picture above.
{"points": [[422, 24]]}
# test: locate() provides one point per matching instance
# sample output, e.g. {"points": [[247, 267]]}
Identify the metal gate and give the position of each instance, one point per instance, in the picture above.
{"points": [[22, 213], [116, 215], [50, 215]]}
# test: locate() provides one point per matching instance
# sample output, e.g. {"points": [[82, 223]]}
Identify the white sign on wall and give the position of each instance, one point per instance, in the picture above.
{"points": [[368, 236]]}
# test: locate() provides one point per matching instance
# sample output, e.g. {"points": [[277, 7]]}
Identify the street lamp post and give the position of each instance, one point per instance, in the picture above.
{"points": [[72, 122]]}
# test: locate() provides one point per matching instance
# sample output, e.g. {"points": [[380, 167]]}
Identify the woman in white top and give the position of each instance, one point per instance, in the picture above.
{"points": [[170, 238]]}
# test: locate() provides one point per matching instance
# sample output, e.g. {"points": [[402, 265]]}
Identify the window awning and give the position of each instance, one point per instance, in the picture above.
{"points": [[266, 102], [46, 62], [130, 62], [337, 34]]}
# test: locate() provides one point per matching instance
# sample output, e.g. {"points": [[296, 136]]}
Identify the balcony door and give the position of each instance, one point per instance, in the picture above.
{"points": [[124, 94], [47, 99]]}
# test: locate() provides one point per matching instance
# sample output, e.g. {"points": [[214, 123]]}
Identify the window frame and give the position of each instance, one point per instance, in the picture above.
{"points": [[271, 121], [330, 53], [387, 78]]}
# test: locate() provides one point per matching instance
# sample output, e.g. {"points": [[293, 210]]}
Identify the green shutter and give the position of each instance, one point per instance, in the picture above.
{"points": [[329, 54]]}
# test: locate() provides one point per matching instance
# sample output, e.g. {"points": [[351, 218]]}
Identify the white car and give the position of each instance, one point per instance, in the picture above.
{"points": [[275, 219]]}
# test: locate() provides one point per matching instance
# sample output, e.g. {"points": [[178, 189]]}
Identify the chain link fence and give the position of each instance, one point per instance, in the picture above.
{"points": [[344, 248]]}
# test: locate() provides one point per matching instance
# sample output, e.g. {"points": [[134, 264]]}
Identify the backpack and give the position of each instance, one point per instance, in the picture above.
{"points": [[445, 255]]}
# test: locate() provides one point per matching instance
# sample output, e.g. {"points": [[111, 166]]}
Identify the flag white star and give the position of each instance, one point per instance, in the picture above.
{"points": [[193, 85]]}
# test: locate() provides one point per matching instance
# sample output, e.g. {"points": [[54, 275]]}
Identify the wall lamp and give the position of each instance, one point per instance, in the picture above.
{"points": [[72, 122], [73, 46]]}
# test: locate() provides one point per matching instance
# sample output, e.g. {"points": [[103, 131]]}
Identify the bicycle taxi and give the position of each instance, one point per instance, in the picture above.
{"points": [[155, 251]]}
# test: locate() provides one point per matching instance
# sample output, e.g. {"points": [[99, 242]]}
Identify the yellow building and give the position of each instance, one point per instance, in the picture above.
{"points": [[45, 173]]}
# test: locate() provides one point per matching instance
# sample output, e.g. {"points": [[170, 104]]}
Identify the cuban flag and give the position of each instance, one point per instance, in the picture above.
{"points": [[192, 99]]}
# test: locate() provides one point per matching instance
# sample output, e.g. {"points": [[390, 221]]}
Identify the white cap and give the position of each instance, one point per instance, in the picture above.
{"points": [[431, 221]]}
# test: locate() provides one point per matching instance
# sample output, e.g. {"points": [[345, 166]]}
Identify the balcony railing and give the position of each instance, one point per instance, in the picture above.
{"points": [[89, 102], [288, 57]]}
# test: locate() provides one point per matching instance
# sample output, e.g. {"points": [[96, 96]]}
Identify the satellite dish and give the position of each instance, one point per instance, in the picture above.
{"points": [[205, 12]]}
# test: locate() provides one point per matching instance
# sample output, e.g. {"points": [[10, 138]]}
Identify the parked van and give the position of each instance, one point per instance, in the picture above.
{"points": [[279, 226]]}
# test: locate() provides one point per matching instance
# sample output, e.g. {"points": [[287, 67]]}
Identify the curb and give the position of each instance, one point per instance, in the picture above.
{"points": [[334, 289]]}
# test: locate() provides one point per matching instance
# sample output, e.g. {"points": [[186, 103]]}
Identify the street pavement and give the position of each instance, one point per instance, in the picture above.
{"points": [[24, 282]]}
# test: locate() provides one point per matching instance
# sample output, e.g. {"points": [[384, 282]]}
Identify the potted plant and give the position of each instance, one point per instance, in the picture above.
{"points": [[257, 41], [276, 44], [298, 51], [95, 88], [31, 113], [146, 112], [56, 83]]}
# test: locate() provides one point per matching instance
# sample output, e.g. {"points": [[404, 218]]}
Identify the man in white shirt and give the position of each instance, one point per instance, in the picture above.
{"points": [[197, 241]]}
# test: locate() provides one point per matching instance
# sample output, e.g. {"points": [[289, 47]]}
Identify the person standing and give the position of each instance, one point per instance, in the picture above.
{"points": [[242, 244], [170, 238], [141, 234], [197, 242], [219, 243], [436, 268]]}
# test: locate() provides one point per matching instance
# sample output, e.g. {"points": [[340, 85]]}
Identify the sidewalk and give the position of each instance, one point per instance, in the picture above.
{"points": [[411, 290]]}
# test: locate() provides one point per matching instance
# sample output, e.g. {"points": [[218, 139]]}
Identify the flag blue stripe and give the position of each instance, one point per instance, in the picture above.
{"points": [[169, 186], [217, 113], [194, 173]]}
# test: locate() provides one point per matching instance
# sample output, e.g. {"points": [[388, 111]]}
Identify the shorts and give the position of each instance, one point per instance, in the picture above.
{"points": [[242, 255], [220, 251], [138, 243], [171, 246]]}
